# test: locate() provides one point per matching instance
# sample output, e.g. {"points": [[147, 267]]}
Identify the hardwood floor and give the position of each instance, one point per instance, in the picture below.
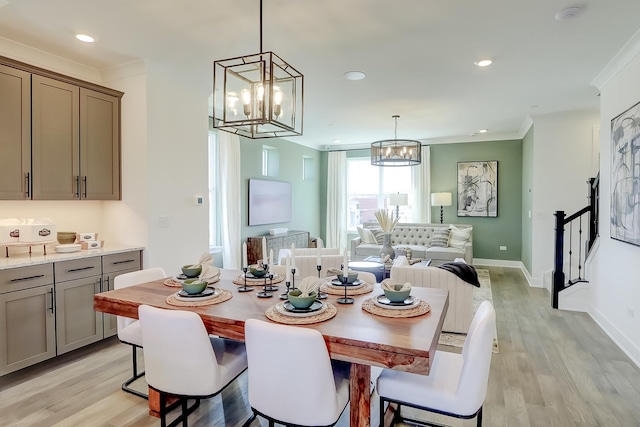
{"points": [[554, 368]]}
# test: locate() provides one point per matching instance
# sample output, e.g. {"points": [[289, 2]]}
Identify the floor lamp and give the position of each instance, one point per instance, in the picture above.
{"points": [[441, 199], [398, 199]]}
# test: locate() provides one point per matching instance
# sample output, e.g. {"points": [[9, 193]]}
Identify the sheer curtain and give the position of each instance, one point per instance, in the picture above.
{"points": [[229, 179], [337, 200], [422, 187]]}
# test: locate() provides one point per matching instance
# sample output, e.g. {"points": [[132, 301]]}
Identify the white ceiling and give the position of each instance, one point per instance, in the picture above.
{"points": [[418, 55]]}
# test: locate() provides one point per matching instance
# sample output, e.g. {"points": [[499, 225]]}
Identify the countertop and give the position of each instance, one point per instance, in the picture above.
{"points": [[25, 259]]}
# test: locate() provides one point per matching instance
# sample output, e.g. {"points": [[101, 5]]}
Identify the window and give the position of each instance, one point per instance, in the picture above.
{"points": [[308, 168], [368, 189], [214, 224], [270, 161]]}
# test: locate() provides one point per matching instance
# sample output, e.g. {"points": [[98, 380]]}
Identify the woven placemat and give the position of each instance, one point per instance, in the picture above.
{"points": [[272, 313], [422, 308], [339, 290], [223, 296], [176, 284], [257, 281]]}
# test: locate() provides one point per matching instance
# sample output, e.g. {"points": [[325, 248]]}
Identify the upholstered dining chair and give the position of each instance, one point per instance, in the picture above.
{"points": [[457, 383], [129, 329], [182, 360], [292, 380]]}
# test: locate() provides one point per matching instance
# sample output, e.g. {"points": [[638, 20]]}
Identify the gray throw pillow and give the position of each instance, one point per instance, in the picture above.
{"points": [[440, 238], [377, 234]]}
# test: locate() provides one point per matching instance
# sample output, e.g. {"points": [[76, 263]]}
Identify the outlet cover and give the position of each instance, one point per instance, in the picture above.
{"points": [[503, 248]]}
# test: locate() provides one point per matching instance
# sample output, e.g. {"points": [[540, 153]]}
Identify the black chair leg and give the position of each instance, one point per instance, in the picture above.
{"points": [[381, 412], [479, 417], [136, 375]]}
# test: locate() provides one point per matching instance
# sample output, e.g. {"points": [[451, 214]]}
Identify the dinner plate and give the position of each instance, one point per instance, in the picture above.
{"points": [[280, 309], [317, 305], [356, 282], [206, 294], [383, 301], [180, 277]]}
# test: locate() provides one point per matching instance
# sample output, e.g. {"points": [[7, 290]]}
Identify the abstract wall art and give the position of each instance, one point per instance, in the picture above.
{"points": [[478, 188], [625, 176]]}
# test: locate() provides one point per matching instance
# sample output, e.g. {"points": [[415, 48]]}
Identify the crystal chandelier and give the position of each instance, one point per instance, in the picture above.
{"points": [[396, 152], [257, 96]]}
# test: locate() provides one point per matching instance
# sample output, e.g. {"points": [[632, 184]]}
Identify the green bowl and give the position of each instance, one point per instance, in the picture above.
{"points": [[397, 296], [193, 286], [257, 271], [301, 302], [191, 272], [352, 276]]}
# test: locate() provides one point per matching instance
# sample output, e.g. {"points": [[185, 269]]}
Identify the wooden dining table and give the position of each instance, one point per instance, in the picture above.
{"points": [[353, 335]]}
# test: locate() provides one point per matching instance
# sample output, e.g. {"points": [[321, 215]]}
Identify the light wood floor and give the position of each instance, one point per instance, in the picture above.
{"points": [[554, 369]]}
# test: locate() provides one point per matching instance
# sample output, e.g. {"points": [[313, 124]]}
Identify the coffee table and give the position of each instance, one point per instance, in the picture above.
{"points": [[387, 266], [375, 267]]}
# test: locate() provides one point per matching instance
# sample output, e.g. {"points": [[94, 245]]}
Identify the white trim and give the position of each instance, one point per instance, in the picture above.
{"points": [[621, 59], [631, 350], [533, 282], [524, 128]]}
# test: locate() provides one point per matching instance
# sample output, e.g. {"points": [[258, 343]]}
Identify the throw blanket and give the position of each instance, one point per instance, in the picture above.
{"points": [[463, 270]]}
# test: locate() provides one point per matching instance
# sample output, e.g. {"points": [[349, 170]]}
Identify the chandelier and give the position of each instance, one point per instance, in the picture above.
{"points": [[257, 96], [396, 152]]}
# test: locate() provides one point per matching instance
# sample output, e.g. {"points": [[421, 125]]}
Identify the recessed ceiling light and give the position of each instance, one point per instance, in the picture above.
{"points": [[354, 75], [483, 63], [336, 141], [85, 38], [568, 13], [483, 130]]}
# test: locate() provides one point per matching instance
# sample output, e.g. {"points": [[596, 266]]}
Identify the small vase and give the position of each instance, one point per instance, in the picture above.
{"points": [[387, 249]]}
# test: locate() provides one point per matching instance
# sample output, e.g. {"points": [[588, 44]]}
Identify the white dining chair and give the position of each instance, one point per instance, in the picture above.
{"points": [[182, 360], [457, 383], [129, 329], [292, 380]]}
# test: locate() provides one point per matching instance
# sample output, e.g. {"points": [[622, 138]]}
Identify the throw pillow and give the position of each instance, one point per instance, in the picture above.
{"points": [[361, 233], [458, 237], [440, 238], [377, 233], [368, 236]]}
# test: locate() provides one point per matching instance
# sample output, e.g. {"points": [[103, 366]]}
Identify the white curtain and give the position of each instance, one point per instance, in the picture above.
{"points": [[229, 179], [337, 201], [422, 187]]}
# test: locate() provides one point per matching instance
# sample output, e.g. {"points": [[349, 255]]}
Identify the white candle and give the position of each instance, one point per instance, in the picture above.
{"points": [[244, 255], [293, 255], [264, 251], [288, 270], [318, 259], [270, 256], [344, 265]]}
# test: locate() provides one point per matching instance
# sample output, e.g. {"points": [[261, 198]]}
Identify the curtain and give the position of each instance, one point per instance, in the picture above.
{"points": [[337, 201], [229, 179], [422, 187]]}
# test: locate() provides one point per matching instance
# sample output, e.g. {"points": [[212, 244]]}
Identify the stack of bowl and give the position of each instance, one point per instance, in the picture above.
{"points": [[66, 237]]}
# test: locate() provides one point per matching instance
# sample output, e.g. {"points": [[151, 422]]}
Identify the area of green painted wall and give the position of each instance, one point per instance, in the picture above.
{"points": [[527, 198], [306, 201], [488, 233]]}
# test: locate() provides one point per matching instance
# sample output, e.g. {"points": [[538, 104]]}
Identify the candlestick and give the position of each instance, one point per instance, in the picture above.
{"points": [[265, 293], [345, 266], [264, 250], [288, 269], [345, 299], [321, 295], [318, 256], [245, 288], [244, 255]]}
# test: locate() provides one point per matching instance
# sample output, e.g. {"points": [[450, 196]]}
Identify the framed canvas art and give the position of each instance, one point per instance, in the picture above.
{"points": [[478, 188], [625, 176]]}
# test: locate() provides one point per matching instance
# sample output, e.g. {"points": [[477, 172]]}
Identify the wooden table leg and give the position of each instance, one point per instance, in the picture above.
{"points": [[360, 389], [154, 403]]}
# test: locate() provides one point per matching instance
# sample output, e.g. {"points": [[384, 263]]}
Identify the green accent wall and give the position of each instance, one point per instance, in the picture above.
{"points": [[488, 233], [307, 204], [527, 199]]}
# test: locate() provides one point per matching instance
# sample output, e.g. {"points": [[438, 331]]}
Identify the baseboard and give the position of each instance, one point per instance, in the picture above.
{"points": [[630, 349], [532, 281]]}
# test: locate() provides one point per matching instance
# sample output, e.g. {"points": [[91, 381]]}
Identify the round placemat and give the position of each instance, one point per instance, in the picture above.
{"points": [[172, 283], [273, 314], [257, 281], [339, 290], [422, 308], [223, 296]]}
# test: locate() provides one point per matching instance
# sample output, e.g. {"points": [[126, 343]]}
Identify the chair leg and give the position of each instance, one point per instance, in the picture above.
{"points": [[163, 410], [381, 412], [136, 375], [479, 417], [250, 420]]}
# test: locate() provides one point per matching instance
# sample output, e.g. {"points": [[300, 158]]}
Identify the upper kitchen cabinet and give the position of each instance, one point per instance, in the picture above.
{"points": [[15, 134]]}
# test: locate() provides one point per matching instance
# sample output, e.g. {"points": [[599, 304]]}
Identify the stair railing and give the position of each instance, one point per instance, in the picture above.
{"points": [[576, 220]]}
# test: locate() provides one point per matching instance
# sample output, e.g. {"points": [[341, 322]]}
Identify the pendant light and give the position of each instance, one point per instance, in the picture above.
{"points": [[396, 152]]}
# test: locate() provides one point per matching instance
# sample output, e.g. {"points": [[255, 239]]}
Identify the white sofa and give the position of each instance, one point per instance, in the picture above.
{"points": [[460, 312], [418, 237]]}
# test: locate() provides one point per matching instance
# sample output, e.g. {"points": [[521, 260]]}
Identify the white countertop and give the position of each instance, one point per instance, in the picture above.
{"points": [[25, 260]]}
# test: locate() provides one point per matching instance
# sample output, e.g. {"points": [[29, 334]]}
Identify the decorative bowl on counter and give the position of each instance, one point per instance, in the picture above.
{"points": [[191, 271], [66, 237]]}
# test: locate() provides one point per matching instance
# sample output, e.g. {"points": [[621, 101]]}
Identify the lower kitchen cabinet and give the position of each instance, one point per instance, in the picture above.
{"points": [[109, 322]]}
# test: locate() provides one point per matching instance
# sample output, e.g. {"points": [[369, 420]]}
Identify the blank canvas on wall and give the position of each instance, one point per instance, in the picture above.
{"points": [[625, 176], [478, 188]]}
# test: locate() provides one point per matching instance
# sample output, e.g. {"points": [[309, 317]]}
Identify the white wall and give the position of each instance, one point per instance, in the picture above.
{"points": [[562, 158], [615, 285]]}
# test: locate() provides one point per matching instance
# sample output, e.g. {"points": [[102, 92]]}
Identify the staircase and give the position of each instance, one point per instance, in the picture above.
{"points": [[582, 232]]}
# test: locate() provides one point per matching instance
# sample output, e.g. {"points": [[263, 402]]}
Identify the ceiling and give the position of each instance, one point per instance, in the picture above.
{"points": [[418, 55]]}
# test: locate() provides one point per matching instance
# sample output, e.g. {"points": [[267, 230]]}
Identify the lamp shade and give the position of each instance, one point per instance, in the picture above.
{"points": [[440, 199], [398, 199]]}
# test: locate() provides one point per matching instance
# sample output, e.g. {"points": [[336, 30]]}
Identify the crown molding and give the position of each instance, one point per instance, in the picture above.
{"points": [[628, 52]]}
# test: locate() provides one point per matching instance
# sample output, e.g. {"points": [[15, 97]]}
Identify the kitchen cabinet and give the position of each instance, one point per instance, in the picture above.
{"points": [[15, 133], [62, 136], [113, 266], [27, 326]]}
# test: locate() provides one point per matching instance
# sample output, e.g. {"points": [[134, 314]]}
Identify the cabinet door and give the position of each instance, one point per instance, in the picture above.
{"points": [[15, 134], [99, 145], [27, 328], [55, 117], [110, 325], [77, 324]]}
